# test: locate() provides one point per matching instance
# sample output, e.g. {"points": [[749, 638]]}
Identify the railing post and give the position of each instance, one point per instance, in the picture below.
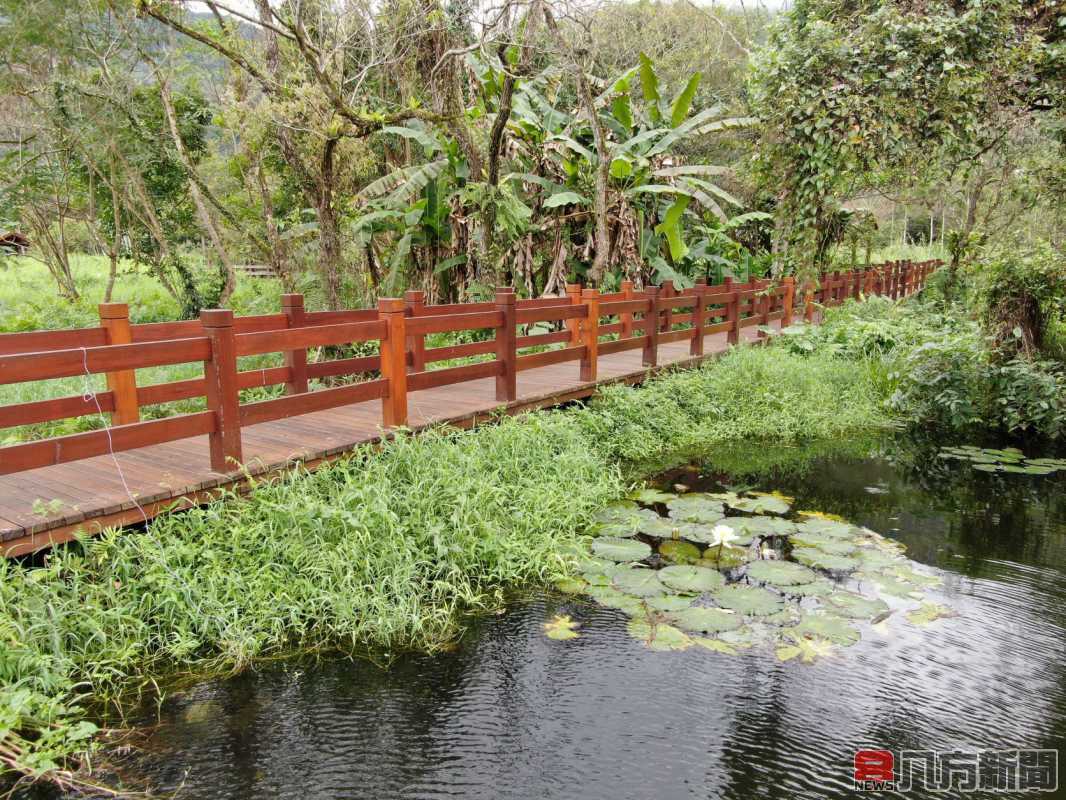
{"points": [[789, 301], [868, 282], [668, 292], [392, 311], [856, 284], [837, 292], [627, 316], [732, 315], [506, 347], [591, 337], [695, 347], [292, 306], [414, 302], [651, 328], [808, 302], [115, 320], [223, 398], [573, 291]]}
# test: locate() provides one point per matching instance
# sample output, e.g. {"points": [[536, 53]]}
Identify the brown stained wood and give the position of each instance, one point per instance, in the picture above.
{"points": [[122, 383], [344, 366], [251, 344], [392, 313], [57, 408], [453, 322], [444, 377], [41, 341], [292, 306], [590, 327], [549, 357], [23, 367], [220, 383], [506, 346], [458, 351], [540, 339], [307, 402], [75, 446], [179, 470], [527, 316]]}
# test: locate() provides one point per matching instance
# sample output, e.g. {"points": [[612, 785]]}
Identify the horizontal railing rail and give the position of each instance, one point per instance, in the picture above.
{"points": [[580, 326]]}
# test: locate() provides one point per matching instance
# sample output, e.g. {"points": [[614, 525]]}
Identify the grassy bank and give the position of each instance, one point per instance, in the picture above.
{"points": [[382, 550]]}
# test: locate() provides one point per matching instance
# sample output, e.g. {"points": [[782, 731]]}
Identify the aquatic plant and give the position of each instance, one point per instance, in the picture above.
{"points": [[801, 585], [1007, 459]]}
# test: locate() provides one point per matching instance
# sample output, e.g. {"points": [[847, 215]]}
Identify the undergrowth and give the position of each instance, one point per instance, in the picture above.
{"points": [[381, 551]]}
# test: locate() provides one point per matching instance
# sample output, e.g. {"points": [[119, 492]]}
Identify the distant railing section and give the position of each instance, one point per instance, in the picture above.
{"points": [[592, 324]]}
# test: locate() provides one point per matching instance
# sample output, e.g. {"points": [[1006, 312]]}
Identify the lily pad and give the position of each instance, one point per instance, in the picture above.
{"points": [[623, 520], [561, 628], [679, 552], [610, 597], [691, 579], [761, 504], [715, 645], [827, 527], [658, 527], [854, 606], [669, 602], [658, 636], [696, 508], [762, 526], [807, 650], [822, 560], [650, 496], [822, 626], [638, 582], [615, 549], [724, 558], [928, 613], [818, 588], [780, 573], [571, 585], [699, 619], [750, 600]]}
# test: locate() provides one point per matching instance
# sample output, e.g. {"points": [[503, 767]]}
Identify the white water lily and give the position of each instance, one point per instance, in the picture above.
{"points": [[724, 537]]}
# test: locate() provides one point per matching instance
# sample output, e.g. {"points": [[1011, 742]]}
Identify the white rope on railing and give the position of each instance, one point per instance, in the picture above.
{"points": [[89, 395]]}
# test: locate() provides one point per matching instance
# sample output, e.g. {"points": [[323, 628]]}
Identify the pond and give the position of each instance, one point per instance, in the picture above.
{"points": [[512, 713]]}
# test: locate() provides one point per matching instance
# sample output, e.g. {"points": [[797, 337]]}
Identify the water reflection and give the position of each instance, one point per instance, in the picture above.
{"points": [[511, 714]]}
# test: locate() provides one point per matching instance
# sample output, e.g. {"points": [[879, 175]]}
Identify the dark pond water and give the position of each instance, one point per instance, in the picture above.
{"points": [[512, 714]]}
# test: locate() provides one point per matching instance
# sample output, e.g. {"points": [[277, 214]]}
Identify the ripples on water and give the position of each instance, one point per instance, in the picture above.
{"points": [[511, 714]]}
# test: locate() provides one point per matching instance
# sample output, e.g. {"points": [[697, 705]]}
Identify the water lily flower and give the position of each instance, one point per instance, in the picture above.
{"points": [[724, 537]]}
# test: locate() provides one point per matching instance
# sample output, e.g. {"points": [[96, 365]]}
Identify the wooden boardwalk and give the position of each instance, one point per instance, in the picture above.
{"points": [[39, 507], [134, 469], [42, 506]]}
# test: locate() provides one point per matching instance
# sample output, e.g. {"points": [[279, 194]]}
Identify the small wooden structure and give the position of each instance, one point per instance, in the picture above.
{"points": [[138, 468]]}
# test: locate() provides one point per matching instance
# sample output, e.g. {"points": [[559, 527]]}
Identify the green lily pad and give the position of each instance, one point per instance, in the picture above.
{"points": [[818, 588], [571, 585], [609, 597], [724, 558], [854, 606], [780, 573], [651, 496], [928, 613], [669, 602], [658, 527], [639, 582], [697, 507], [658, 636], [706, 620], [679, 552], [615, 549], [761, 504], [561, 628], [750, 600], [807, 650], [821, 626], [691, 579], [822, 560], [715, 645], [895, 587], [623, 520], [762, 526], [827, 527]]}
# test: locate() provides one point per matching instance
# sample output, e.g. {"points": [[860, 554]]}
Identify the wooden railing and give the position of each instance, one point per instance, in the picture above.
{"points": [[591, 324]]}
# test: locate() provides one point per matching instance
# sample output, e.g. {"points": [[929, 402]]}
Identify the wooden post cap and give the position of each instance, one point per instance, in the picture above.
{"points": [[390, 305], [216, 318], [114, 310]]}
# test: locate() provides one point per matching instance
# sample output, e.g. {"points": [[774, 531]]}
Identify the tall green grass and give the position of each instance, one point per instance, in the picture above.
{"points": [[382, 551]]}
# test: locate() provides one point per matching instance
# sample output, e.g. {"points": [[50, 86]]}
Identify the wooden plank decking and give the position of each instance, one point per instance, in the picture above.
{"points": [[43, 506]]}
